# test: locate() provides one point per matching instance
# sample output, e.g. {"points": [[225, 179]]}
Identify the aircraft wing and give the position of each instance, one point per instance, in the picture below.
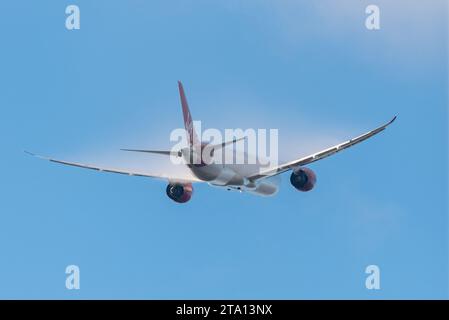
{"points": [[129, 172], [319, 155]]}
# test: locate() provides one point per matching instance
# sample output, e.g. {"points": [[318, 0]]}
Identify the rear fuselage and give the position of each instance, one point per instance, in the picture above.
{"points": [[231, 176]]}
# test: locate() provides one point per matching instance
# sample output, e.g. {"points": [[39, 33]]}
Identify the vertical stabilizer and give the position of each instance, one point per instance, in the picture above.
{"points": [[188, 122]]}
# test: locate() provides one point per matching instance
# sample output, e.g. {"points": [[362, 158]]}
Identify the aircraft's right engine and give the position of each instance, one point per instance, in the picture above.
{"points": [[180, 192], [303, 179]]}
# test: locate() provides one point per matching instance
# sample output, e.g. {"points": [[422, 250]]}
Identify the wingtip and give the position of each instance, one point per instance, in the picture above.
{"points": [[35, 155], [392, 120]]}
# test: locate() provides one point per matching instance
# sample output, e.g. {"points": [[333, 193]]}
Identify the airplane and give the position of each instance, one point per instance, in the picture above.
{"points": [[231, 177]]}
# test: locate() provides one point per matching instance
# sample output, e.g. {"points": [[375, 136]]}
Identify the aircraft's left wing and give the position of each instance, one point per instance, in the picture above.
{"points": [[129, 172], [319, 155]]}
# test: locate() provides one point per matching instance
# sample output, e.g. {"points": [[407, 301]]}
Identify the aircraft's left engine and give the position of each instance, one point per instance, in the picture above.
{"points": [[303, 179], [180, 192]]}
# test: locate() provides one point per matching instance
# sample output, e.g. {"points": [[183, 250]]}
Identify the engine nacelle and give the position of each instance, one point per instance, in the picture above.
{"points": [[180, 192], [303, 179]]}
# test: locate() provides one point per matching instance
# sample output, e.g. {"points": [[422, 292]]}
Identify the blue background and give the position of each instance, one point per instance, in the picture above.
{"points": [[311, 69]]}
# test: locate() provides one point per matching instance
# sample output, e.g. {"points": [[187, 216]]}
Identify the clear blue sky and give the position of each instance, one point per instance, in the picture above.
{"points": [[309, 68]]}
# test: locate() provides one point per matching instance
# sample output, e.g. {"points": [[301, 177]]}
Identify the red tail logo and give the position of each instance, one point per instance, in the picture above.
{"points": [[188, 122]]}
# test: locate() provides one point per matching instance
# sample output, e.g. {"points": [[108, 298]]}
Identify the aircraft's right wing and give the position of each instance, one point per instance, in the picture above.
{"points": [[319, 155], [129, 172]]}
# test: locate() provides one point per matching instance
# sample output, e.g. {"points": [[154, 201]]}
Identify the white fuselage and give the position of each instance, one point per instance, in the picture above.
{"points": [[232, 176]]}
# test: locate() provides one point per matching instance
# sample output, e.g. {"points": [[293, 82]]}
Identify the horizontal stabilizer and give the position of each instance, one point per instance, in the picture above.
{"points": [[163, 152], [226, 143]]}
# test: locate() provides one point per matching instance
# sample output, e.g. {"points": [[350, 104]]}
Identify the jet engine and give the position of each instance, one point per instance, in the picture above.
{"points": [[180, 192], [303, 179]]}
